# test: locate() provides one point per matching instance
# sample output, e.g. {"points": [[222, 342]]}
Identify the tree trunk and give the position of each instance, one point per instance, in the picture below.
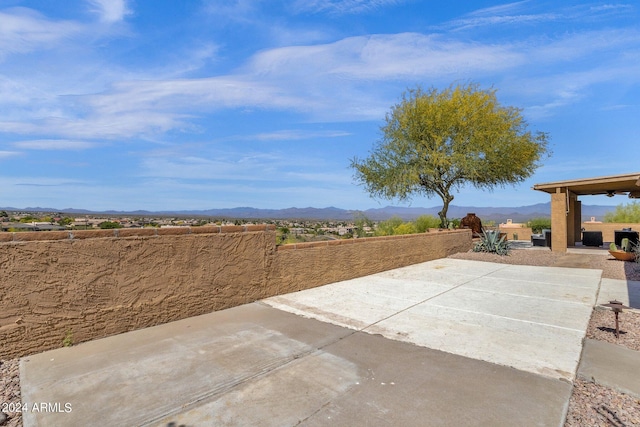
{"points": [[446, 199]]}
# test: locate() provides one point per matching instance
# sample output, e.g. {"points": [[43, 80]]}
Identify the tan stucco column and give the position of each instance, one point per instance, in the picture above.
{"points": [[578, 220], [573, 219], [559, 222]]}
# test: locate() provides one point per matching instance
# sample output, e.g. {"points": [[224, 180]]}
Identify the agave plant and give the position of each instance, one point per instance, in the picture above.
{"points": [[493, 243]]}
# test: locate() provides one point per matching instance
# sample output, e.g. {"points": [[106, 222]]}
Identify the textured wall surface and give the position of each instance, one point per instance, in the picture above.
{"points": [[308, 265], [98, 285], [608, 229], [524, 233]]}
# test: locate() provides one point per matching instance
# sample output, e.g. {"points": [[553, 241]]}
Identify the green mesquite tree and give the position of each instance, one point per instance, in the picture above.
{"points": [[629, 213], [434, 142]]}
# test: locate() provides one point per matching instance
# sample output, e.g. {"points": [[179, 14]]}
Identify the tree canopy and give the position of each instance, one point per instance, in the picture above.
{"points": [[629, 213], [433, 142]]}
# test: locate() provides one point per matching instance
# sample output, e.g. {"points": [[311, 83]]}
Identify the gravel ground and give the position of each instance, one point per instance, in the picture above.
{"points": [[611, 267], [10, 393], [590, 405], [596, 405]]}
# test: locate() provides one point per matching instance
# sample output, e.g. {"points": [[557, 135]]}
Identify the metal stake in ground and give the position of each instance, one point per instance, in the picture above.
{"points": [[617, 307]]}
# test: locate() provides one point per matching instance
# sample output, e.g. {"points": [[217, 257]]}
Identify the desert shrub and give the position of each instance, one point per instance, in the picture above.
{"points": [[385, 228], [538, 224], [424, 222], [405, 228], [105, 225], [629, 213], [454, 222], [361, 222]]}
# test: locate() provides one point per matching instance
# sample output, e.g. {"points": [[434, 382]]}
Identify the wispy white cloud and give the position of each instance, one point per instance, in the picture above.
{"points": [[545, 94], [239, 11], [219, 168], [325, 178], [502, 9], [342, 6], [506, 14], [291, 135], [482, 21], [24, 30], [110, 11], [54, 144], [338, 81], [332, 81], [5, 154], [523, 13]]}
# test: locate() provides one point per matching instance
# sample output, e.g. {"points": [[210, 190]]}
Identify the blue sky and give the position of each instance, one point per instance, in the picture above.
{"points": [[172, 105]]}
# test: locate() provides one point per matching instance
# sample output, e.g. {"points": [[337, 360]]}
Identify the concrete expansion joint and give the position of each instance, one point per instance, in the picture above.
{"points": [[231, 385], [510, 318], [539, 298], [598, 290], [419, 303]]}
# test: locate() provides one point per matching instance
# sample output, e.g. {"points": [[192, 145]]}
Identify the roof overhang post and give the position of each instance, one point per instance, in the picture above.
{"points": [[574, 218], [559, 221]]}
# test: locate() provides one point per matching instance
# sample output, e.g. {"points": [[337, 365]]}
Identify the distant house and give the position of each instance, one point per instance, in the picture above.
{"points": [[6, 226], [31, 226], [49, 227]]}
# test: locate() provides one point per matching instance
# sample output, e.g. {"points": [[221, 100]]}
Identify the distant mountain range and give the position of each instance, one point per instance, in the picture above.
{"points": [[498, 214]]}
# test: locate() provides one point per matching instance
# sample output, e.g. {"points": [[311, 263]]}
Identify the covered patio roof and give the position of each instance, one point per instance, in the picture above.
{"points": [[566, 208], [610, 185]]}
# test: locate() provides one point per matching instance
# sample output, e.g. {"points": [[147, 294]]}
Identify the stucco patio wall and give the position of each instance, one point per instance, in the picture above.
{"points": [[307, 265], [608, 228], [524, 233], [91, 284]]}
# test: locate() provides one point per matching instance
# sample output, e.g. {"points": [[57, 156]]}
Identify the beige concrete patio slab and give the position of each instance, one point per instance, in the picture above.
{"points": [[526, 317], [533, 347], [368, 380], [625, 291], [255, 365], [524, 288], [431, 343]]}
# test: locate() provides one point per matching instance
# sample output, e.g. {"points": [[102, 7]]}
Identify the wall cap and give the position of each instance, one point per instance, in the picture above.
{"points": [[326, 243], [124, 233]]}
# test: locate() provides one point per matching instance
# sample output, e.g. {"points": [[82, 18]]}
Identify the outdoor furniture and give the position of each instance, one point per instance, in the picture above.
{"points": [[592, 238], [543, 239], [538, 240], [547, 238], [621, 234]]}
